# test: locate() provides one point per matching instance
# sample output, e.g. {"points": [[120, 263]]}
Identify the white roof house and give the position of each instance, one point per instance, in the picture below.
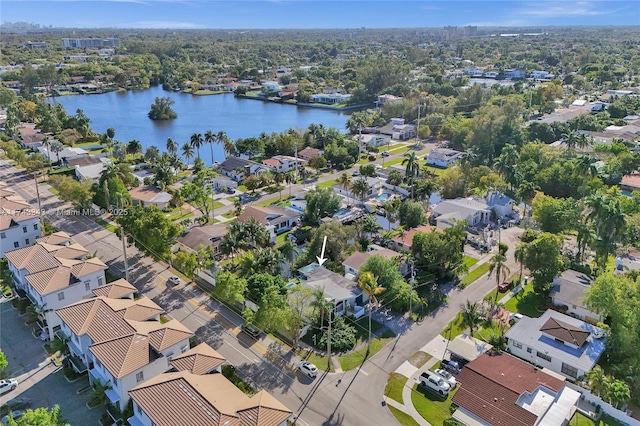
{"points": [[569, 290], [558, 342], [469, 209], [443, 157]]}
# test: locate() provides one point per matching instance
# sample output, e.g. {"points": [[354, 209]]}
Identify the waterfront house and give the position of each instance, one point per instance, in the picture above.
{"points": [[375, 140], [53, 273], [514, 73], [283, 163], [276, 219], [443, 157], [541, 75], [149, 195], [271, 88], [308, 153], [239, 168], [499, 389], [397, 129], [185, 398], [204, 236], [383, 99], [561, 343], [474, 212], [330, 98], [19, 223], [569, 292]]}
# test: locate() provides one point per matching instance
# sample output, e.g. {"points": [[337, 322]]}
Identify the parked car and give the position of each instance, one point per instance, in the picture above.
{"points": [[505, 285], [308, 369], [19, 403], [173, 280], [15, 415], [385, 153], [447, 376], [434, 382], [450, 366], [251, 330], [515, 317], [8, 385], [355, 173]]}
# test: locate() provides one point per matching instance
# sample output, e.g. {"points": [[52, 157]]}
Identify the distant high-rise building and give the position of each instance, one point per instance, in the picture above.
{"points": [[449, 33], [36, 45], [78, 43], [471, 30]]}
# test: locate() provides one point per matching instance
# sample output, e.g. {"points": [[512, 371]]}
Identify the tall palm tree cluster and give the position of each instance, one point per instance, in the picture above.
{"points": [[244, 235], [197, 141]]}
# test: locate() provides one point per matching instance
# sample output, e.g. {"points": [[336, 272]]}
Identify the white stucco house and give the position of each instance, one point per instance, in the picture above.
{"points": [[19, 223], [474, 212], [442, 157], [569, 290], [501, 204]]}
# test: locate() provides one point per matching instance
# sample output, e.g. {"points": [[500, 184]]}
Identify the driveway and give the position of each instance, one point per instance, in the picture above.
{"points": [[39, 380]]}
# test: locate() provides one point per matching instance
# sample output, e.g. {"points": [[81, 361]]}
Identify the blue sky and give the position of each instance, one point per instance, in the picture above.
{"points": [[200, 14]]}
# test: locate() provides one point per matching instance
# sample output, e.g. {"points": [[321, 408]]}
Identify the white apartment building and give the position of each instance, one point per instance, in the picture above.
{"points": [[19, 223]]}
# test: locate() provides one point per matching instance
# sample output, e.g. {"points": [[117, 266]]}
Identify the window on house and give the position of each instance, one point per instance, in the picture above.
{"points": [[87, 286], [569, 370], [35, 226], [61, 296], [139, 376], [3, 235], [543, 356], [517, 345], [24, 229], [100, 281], [529, 350], [138, 409], [26, 241], [16, 244]]}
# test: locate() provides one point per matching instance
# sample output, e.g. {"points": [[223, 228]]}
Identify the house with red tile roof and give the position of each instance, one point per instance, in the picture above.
{"points": [[500, 389]]}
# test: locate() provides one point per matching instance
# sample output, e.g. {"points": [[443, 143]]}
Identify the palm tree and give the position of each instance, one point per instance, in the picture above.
{"points": [[368, 283], [471, 316], [290, 179], [98, 396], [391, 209], [289, 252], [345, 182], [360, 187], [505, 163], [519, 254], [425, 188], [278, 178], [210, 138], [498, 264], [56, 146], [172, 146], [187, 151], [412, 169], [526, 192], [584, 238], [229, 147], [597, 380], [134, 147], [585, 165], [607, 217], [196, 142]]}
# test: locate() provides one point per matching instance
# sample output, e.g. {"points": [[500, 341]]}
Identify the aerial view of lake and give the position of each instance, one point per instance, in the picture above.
{"points": [[127, 112]]}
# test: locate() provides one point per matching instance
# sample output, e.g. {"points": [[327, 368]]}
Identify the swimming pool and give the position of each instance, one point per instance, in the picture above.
{"points": [[383, 197], [341, 212]]}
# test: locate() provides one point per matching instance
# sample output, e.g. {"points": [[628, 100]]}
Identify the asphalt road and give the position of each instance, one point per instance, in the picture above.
{"points": [[356, 400]]}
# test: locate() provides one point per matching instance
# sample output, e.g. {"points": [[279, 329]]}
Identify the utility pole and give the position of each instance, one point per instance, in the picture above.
{"points": [[35, 177], [213, 206], [124, 249], [418, 126], [359, 142], [329, 337], [295, 151]]}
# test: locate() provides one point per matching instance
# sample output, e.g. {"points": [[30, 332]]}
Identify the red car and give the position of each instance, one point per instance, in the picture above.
{"points": [[504, 285]]}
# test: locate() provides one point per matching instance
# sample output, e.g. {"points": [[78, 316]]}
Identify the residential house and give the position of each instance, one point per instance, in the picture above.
{"points": [[270, 88], [443, 157], [569, 291], [201, 359], [404, 241], [149, 195], [373, 140], [283, 163], [383, 99], [629, 261], [499, 389], [204, 236], [19, 223], [330, 98], [354, 262], [561, 343], [541, 75], [53, 273], [398, 129], [499, 203], [345, 294], [30, 137], [376, 186], [308, 153], [467, 348], [220, 182], [93, 172], [514, 74], [103, 318], [239, 168], [183, 398], [472, 211], [118, 289], [276, 219], [66, 154], [127, 361], [474, 72], [630, 183]]}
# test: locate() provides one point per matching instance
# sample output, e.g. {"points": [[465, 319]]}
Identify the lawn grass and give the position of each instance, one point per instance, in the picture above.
{"points": [[361, 326], [431, 406], [580, 419], [179, 214], [327, 184], [229, 215], [355, 359], [403, 418], [393, 162], [242, 188], [394, 387], [319, 361], [455, 328], [475, 274], [54, 191], [469, 261], [527, 302], [419, 359], [107, 225]]}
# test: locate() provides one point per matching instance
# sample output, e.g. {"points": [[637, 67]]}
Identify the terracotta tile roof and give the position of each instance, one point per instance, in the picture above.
{"points": [[89, 266], [116, 290], [492, 383], [201, 359], [186, 399], [407, 237], [632, 181], [149, 193], [142, 310], [565, 332], [124, 355], [57, 238], [163, 336], [33, 258], [272, 162], [95, 318], [45, 282]]}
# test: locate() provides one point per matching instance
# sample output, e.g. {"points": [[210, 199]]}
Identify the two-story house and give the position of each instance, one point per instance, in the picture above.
{"points": [[308, 153], [473, 211], [558, 342], [204, 236], [125, 362], [276, 219], [283, 163], [569, 291], [239, 168], [19, 223], [53, 273]]}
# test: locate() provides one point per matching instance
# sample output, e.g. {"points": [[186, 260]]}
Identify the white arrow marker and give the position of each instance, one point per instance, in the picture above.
{"points": [[322, 259]]}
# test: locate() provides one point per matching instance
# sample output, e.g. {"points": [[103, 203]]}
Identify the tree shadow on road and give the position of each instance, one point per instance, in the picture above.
{"points": [[170, 300], [210, 333], [274, 369]]}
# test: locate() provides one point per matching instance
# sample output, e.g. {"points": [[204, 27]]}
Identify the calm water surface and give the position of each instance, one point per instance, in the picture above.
{"points": [[127, 112]]}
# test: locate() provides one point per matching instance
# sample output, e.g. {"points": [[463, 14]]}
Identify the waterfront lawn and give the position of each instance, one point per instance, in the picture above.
{"points": [[431, 406], [474, 275], [394, 387], [527, 302], [403, 418]]}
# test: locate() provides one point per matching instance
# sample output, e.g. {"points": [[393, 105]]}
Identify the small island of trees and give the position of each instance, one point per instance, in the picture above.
{"points": [[161, 109]]}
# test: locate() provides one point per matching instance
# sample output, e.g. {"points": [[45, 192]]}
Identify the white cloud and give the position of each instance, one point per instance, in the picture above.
{"points": [[160, 25], [559, 10]]}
